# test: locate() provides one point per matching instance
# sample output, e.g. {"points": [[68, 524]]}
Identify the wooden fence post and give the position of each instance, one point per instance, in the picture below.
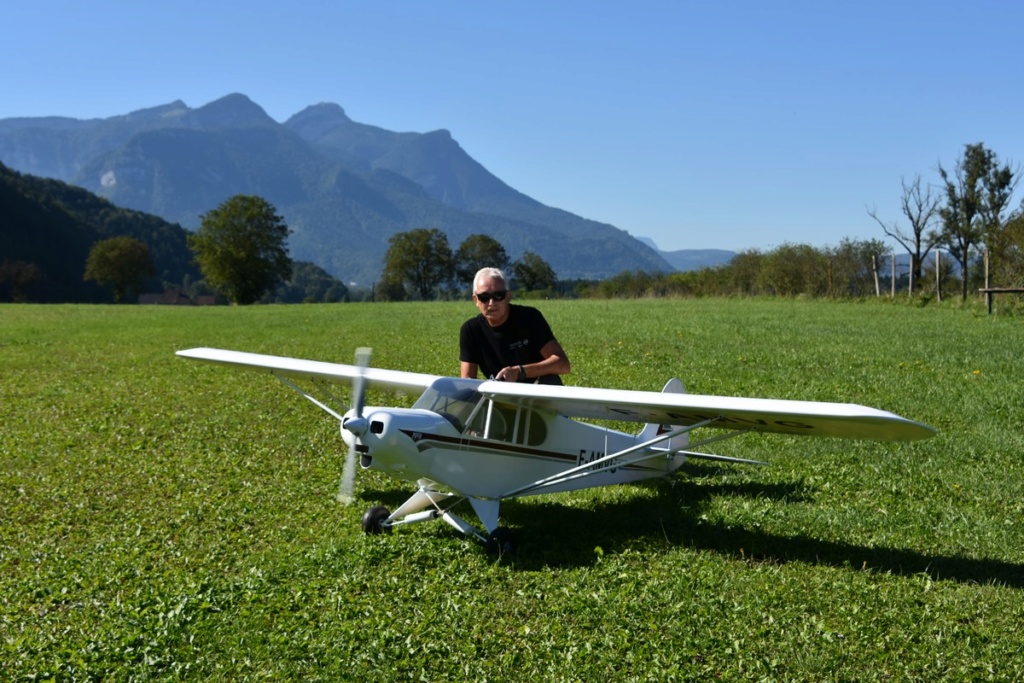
{"points": [[892, 277]]}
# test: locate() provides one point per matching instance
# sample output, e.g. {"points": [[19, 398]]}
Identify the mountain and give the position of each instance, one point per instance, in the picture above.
{"points": [[695, 259], [692, 259], [343, 187]]}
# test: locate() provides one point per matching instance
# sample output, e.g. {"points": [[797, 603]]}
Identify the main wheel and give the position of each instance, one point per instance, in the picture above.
{"points": [[501, 542], [373, 520]]}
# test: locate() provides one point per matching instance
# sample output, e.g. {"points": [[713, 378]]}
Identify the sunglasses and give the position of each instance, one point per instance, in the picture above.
{"points": [[485, 297]]}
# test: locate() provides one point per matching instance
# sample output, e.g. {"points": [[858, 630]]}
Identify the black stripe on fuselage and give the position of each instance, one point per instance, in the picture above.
{"points": [[424, 441]]}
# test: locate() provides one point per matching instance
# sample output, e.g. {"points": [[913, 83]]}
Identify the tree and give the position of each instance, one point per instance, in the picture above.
{"points": [[532, 273], [20, 274], [240, 247], [794, 269], [476, 252], [389, 290], [745, 272], [1000, 237], [852, 267], [419, 260], [123, 262], [922, 209], [309, 283], [1009, 270], [977, 192]]}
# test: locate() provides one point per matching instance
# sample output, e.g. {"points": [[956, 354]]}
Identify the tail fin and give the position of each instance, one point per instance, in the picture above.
{"points": [[652, 430]]}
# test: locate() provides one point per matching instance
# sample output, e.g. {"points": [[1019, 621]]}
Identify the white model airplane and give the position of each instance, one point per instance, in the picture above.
{"points": [[487, 441]]}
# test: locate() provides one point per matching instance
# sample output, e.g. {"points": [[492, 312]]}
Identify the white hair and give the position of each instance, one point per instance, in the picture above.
{"points": [[490, 274]]}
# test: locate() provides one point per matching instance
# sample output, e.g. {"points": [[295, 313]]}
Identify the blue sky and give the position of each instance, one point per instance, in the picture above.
{"points": [[731, 125]]}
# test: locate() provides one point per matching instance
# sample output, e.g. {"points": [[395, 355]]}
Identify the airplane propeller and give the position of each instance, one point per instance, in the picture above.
{"points": [[357, 425]]}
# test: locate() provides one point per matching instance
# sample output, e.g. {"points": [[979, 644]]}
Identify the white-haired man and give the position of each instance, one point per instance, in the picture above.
{"points": [[506, 341]]}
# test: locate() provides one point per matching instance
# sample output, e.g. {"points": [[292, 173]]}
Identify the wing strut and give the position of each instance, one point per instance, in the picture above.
{"points": [[606, 462], [305, 394]]}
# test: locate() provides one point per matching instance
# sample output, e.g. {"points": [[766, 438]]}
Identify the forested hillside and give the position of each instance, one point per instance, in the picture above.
{"points": [[53, 225]]}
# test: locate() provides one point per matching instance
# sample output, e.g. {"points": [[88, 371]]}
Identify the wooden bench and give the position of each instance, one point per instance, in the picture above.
{"points": [[989, 292]]}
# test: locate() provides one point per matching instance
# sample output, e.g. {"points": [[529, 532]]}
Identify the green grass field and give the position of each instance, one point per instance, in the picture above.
{"points": [[169, 520]]}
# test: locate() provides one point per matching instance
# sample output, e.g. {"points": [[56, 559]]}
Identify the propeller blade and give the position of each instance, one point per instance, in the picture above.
{"points": [[358, 424], [348, 478], [363, 354]]}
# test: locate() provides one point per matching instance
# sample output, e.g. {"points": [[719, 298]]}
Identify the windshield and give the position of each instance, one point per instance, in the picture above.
{"points": [[453, 399]]}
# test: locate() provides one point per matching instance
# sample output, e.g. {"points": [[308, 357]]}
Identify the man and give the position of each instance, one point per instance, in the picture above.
{"points": [[508, 342]]}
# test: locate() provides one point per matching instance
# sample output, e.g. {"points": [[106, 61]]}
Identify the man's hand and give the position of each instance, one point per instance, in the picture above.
{"points": [[512, 373]]}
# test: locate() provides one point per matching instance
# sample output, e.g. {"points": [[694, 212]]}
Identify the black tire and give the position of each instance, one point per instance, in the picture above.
{"points": [[501, 541], [373, 520]]}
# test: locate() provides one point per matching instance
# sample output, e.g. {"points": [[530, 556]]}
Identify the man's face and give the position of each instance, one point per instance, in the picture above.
{"points": [[486, 293]]}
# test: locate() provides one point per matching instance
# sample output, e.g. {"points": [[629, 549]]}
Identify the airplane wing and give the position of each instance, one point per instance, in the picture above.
{"points": [[845, 420], [295, 368]]}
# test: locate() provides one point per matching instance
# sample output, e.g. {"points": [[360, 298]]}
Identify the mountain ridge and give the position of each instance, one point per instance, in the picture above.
{"points": [[344, 187]]}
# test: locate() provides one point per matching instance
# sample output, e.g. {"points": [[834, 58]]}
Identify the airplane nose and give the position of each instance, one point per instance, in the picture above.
{"points": [[358, 426]]}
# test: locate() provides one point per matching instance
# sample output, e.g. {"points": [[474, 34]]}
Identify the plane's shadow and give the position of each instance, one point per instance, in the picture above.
{"points": [[552, 534]]}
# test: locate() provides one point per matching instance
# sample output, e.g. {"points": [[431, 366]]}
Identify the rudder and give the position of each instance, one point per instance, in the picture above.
{"points": [[652, 430]]}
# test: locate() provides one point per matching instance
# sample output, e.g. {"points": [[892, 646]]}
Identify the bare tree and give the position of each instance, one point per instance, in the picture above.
{"points": [[921, 208]]}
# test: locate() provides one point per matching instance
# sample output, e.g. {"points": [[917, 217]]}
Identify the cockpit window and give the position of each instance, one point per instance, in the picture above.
{"points": [[513, 425], [458, 401]]}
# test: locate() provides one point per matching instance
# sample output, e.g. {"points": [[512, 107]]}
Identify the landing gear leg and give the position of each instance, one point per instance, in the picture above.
{"points": [[428, 504]]}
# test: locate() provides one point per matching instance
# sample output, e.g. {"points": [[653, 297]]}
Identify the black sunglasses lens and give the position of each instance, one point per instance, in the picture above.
{"points": [[485, 297]]}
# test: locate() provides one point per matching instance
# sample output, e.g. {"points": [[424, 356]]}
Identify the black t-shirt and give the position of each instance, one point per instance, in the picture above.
{"points": [[517, 341]]}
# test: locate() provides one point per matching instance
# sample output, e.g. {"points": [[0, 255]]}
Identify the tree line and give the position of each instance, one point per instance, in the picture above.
{"points": [[240, 248], [420, 265], [960, 230], [948, 228], [854, 269]]}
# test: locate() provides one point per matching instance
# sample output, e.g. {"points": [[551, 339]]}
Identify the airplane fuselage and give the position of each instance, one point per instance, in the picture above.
{"points": [[457, 438]]}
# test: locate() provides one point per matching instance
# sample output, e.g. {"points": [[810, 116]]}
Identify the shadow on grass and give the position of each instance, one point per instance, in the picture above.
{"points": [[552, 534], [389, 498], [560, 535]]}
